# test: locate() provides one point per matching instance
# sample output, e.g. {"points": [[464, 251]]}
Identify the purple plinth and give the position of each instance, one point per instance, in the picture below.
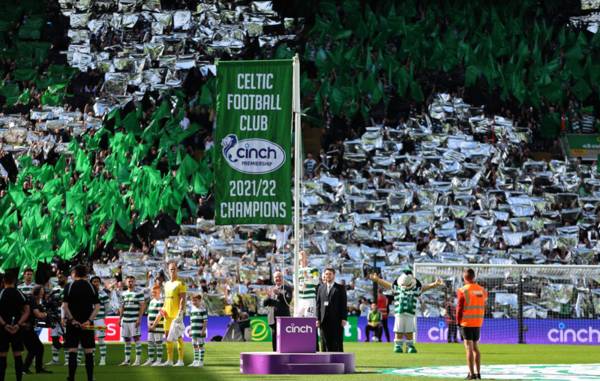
{"points": [[296, 335], [296, 363]]}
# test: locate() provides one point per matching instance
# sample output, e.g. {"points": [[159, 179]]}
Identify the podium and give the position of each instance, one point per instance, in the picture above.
{"points": [[296, 339]]}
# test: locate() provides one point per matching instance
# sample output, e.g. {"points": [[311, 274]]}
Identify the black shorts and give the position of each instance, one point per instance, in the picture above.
{"points": [[470, 333], [8, 340], [75, 336]]}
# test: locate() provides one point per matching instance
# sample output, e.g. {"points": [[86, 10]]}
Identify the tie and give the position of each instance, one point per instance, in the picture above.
{"points": [[328, 288]]}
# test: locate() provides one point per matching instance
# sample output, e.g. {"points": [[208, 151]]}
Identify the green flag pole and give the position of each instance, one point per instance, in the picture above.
{"points": [[297, 170]]}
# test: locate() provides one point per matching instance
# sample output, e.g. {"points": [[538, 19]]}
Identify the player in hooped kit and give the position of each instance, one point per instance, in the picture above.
{"points": [[28, 284], [308, 281], [407, 290], [156, 330], [131, 313], [198, 325], [57, 331], [99, 321]]}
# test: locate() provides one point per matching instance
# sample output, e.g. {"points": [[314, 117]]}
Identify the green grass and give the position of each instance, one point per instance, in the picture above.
{"points": [[222, 362]]}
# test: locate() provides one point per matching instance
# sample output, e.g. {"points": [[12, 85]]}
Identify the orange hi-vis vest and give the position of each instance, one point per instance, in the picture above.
{"points": [[474, 308]]}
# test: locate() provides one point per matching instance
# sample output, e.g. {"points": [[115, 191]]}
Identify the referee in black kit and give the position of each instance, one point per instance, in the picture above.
{"points": [[14, 313], [80, 306]]}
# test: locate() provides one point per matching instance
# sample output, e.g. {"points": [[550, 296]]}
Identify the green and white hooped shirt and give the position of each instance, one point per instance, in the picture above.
{"points": [[132, 302], [406, 300], [308, 281], [198, 319], [104, 299], [26, 289], [154, 308]]}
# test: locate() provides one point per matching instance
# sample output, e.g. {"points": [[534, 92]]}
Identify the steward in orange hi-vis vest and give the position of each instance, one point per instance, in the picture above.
{"points": [[469, 316], [471, 305]]}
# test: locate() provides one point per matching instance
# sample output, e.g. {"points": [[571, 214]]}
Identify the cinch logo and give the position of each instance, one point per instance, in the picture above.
{"points": [[293, 328], [252, 156], [570, 335], [438, 333], [259, 330]]}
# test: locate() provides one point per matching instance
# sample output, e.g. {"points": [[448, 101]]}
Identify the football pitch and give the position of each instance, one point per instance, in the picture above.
{"points": [[374, 361]]}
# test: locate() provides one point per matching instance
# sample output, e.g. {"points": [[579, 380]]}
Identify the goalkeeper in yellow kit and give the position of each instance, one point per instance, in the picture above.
{"points": [[174, 307]]}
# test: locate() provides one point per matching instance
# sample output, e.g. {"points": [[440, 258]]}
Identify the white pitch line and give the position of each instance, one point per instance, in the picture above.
{"points": [[553, 372]]}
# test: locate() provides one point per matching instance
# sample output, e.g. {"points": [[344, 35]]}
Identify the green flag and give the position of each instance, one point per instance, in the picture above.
{"points": [[581, 89], [55, 204], [110, 233], [53, 96], [206, 96], [131, 123], [164, 110], [471, 75], [17, 196], [10, 221], [75, 201], [123, 219], [415, 92], [67, 250], [25, 97], [82, 162], [24, 74], [188, 166], [115, 114], [200, 184]]}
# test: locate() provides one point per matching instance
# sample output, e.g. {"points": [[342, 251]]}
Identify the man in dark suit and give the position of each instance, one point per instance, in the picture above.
{"points": [[280, 298], [332, 312]]}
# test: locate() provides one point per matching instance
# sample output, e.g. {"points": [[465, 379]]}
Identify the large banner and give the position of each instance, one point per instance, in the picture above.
{"points": [[254, 136]]}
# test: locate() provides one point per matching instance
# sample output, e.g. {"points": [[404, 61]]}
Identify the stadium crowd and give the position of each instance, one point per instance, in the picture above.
{"points": [[451, 185]]}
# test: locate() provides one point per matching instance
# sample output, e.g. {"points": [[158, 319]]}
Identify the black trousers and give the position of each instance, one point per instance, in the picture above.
{"points": [[452, 331], [35, 350], [376, 330], [386, 329], [332, 337]]}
